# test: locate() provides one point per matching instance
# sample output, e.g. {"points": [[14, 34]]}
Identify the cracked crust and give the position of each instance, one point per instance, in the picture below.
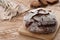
{"points": [[40, 21]]}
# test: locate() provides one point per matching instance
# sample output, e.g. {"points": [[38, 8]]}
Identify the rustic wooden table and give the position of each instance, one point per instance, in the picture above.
{"points": [[9, 29]]}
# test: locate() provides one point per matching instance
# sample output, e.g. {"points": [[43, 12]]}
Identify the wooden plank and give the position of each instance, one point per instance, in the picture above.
{"points": [[24, 31]]}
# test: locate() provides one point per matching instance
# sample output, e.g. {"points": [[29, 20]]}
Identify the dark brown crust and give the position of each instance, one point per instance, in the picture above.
{"points": [[42, 23]]}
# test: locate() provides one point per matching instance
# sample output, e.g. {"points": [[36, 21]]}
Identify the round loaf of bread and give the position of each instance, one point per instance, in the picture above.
{"points": [[40, 21]]}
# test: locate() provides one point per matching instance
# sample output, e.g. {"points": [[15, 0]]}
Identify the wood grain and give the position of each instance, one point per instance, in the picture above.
{"points": [[16, 22], [24, 31]]}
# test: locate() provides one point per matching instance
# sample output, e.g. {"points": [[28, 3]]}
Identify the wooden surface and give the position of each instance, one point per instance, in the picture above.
{"points": [[9, 29], [24, 31]]}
